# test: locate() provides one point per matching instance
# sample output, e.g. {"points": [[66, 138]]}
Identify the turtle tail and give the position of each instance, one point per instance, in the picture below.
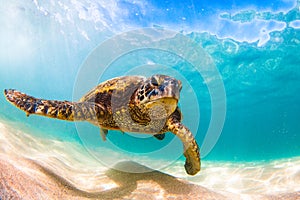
{"points": [[191, 149], [64, 110]]}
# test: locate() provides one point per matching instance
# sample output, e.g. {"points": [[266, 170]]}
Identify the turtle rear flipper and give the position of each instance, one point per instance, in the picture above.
{"points": [[64, 110], [191, 149]]}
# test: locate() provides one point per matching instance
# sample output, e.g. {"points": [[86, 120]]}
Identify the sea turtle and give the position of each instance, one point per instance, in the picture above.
{"points": [[129, 104]]}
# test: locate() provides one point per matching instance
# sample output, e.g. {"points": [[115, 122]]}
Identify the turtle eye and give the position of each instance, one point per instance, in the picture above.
{"points": [[154, 81], [151, 92], [161, 88]]}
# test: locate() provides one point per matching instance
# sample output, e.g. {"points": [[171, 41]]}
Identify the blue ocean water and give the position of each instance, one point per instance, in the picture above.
{"points": [[254, 45]]}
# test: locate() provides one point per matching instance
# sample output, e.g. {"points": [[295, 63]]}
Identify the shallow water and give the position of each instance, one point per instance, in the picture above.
{"points": [[249, 51], [72, 162]]}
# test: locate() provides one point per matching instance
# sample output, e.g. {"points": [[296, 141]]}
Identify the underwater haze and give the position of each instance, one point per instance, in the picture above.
{"points": [[253, 45]]}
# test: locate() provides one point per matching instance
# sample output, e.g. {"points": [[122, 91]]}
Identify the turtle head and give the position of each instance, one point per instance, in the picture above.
{"points": [[159, 93]]}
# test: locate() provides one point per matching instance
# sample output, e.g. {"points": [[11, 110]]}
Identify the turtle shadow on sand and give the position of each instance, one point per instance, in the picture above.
{"points": [[123, 175], [128, 184]]}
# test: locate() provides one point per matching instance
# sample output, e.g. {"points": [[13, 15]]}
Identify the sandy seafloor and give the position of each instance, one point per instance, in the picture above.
{"points": [[33, 167]]}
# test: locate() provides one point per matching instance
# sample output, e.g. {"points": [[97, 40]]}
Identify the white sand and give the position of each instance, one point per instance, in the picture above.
{"points": [[56, 165]]}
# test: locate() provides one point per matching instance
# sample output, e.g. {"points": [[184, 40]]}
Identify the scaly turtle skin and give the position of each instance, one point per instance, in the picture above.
{"points": [[128, 104]]}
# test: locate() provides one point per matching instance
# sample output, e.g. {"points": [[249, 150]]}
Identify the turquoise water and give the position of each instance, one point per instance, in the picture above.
{"points": [[256, 51]]}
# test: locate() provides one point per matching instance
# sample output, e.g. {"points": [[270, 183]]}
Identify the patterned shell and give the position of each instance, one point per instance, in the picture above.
{"points": [[116, 86]]}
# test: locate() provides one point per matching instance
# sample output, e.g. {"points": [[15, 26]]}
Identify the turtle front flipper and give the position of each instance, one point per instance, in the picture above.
{"points": [[191, 149], [64, 110]]}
